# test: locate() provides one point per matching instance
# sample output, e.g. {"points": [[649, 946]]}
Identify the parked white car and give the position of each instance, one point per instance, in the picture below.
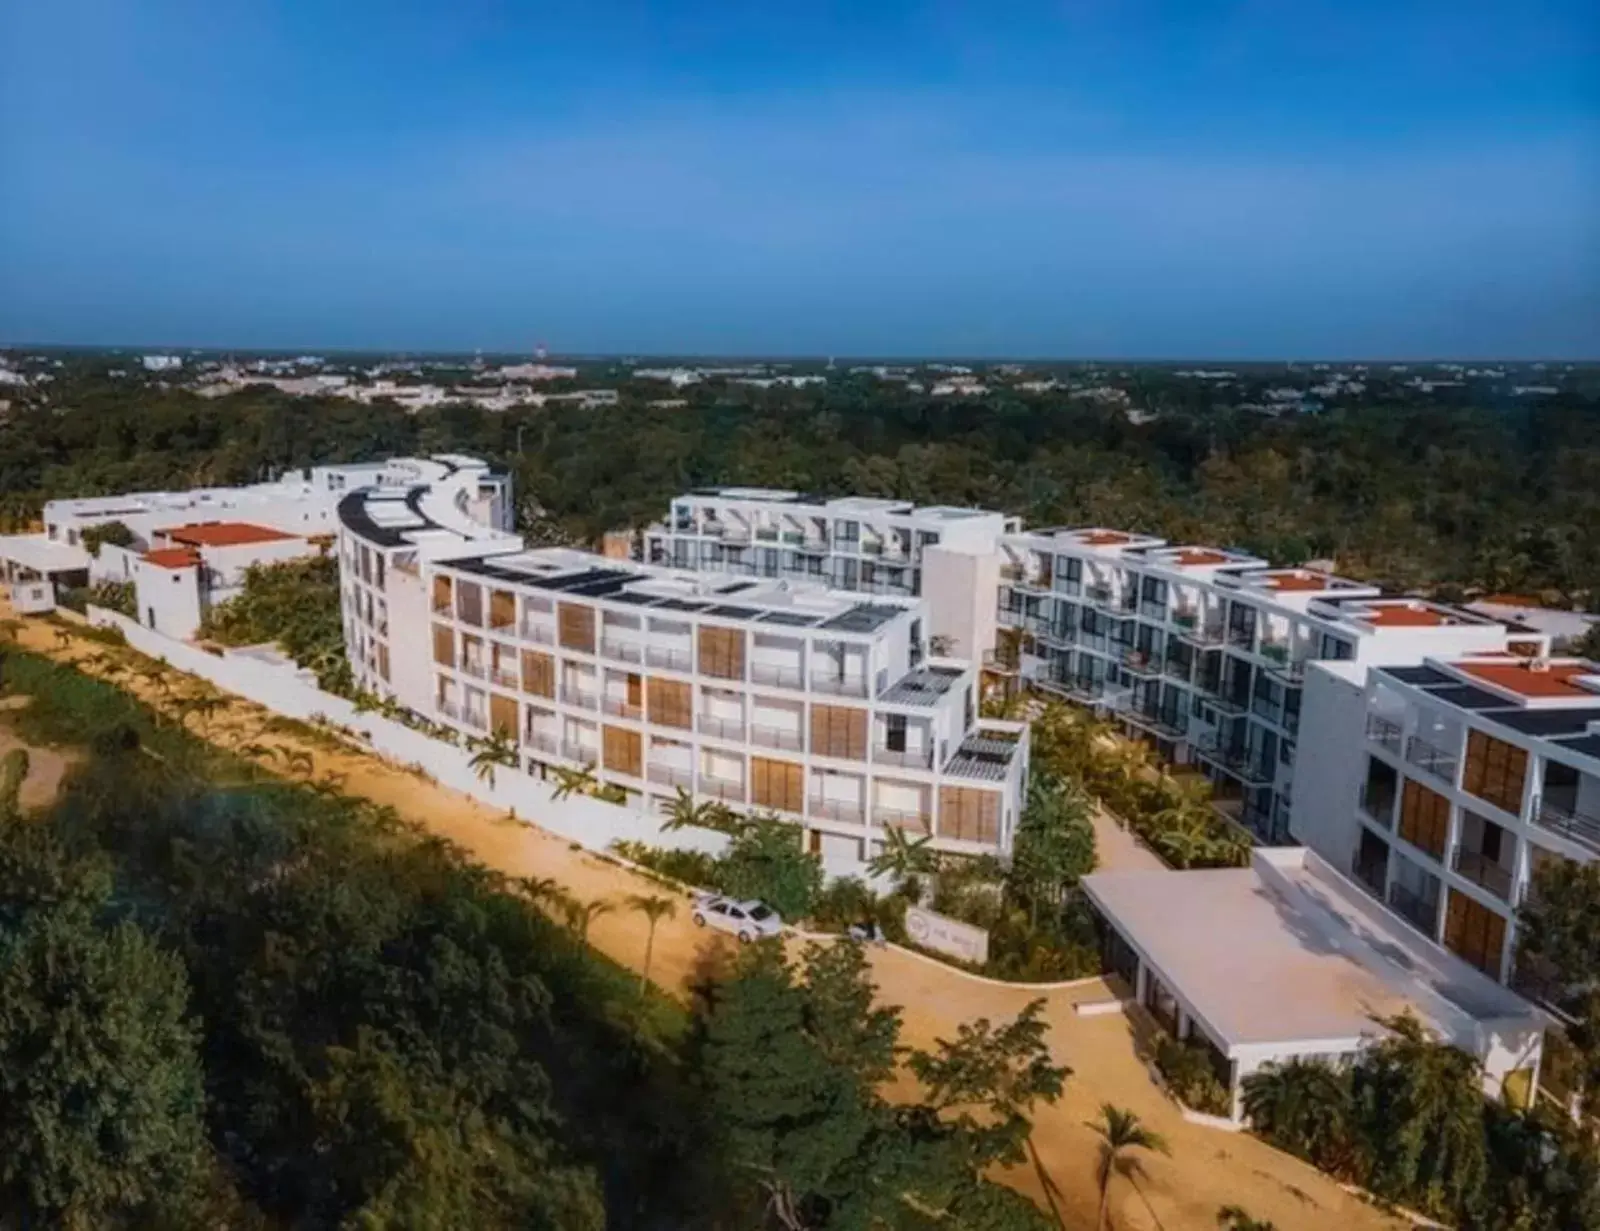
{"points": [[747, 920]]}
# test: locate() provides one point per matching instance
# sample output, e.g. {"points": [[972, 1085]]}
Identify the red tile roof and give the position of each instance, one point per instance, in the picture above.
{"points": [[1195, 557], [1558, 679], [224, 534], [1106, 538], [1299, 581], [1402, 615], [173, 557]]}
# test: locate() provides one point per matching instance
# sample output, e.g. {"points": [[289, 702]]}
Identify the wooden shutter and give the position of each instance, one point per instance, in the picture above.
{"points": [[469, 603], [502, 609], [443, 599], [1496, 771], [538, 673], [670, 703], [969, 815], [777, 784], [444, 646], [623, 750], [577, 626], [503, 715], [839, 731], [1424, 818], [722, 652], [1474, 933]]}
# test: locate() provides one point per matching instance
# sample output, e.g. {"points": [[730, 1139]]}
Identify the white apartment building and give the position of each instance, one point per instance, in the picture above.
{"points": [[856, 543], [1442, 787], [824, 708], [1203, 651]]}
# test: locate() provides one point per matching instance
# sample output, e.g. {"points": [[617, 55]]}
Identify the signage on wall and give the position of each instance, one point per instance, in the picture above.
{"points": [[943, 934]]}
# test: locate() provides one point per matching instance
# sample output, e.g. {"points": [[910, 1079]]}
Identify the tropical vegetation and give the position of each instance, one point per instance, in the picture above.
{"points": [[295, 604]]}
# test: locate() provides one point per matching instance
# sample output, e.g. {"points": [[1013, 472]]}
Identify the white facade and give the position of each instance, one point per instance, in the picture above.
{"points": [[1204, 651], [1442, 788], [821, 707]]}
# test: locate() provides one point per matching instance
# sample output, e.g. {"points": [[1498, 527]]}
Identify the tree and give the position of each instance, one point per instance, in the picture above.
{"points": [[765, 861], [497, 751], [1054, 846], [654, 908], [1120, 1131], [1235, 1218], [1303, 1106], [581, 914], [706, 814], [571, 782], [99, 1074], [13, 773]]}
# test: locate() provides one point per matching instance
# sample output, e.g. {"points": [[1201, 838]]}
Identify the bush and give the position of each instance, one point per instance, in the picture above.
{"points": [[1189, 1075], [694, 868], [765, 861]]}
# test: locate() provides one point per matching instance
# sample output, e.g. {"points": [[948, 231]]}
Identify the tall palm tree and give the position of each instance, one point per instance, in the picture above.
{"points": [[1120, 1131], [492, 754], [1302, 1106], [654, 908], [707, 814], [545, 889]]}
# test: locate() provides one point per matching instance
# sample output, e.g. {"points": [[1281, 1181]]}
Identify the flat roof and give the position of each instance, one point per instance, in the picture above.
{"points": [[1568, 678], [1287, 951], [42, 554]]}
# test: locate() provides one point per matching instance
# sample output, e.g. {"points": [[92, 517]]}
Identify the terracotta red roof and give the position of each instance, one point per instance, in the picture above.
{"points": [[1298, 581], [224, 534], [173, 557], [1106, 538], [1401, 615], [1195, 557], [1559, 679]]}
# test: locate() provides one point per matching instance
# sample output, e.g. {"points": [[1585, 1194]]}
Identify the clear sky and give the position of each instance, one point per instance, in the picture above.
{"points": [[1274, 178]]}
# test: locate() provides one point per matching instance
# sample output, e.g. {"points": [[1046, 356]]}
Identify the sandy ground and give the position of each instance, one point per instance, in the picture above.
{"points": [[46, 766], [1207, 1168]]}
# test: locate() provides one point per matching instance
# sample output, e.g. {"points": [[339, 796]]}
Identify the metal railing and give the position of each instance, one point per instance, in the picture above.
{"points": [[579, 753], [623, 709], [1379, 805], [722, 788], [541, 633], [1384, 733], [776, 737], [544, 743], [1478, 868], [1430, 757], [1242, 638], [1580, 827], [450, 709], [908, 759], [671, 775], [780, 677], [1408, 904], [834, 810], [1203, 634], [725, 728], [844, 686], [623, 651], [474, 669], [1140, 663], [506, 677], [1360, 873], [675, 660], [899, 818], [1275, 651], [579, 697]]}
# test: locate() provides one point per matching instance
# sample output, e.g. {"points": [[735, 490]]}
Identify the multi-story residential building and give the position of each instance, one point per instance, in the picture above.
{"points": [[1203, 651], [823, 707], [1444, 786], [855, 543]]}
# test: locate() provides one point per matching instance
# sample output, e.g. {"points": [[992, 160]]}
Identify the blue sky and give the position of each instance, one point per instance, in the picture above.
{"points": [[1141, 179]]}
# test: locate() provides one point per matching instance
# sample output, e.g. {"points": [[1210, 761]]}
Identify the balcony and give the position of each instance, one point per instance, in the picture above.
{"points": [[476, 719], [541, 633], [908, 758], [1421, 912], [1140, 664], [622, 709], [1178, 669], [673, 660], [722, 788], [898, 818], [1431, 758], [450, 709], [840, 685], [1100, 596], [540, 742], [1186, 618], [622, 651], [1384, 733], [474, 668], [1580, 827], [722, 728], [1481, 870], [1369, 874], [671, 775], [1378, 806], [580, 697], [1206, 636], [777, 737], [506, 677], [779, 677], [834, 810], [1149, 609], [1001, 662], [1237, 759], [1242, 638], [1276, 652]]}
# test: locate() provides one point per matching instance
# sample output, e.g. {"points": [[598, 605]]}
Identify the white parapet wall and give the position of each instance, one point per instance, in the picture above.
{"points": [[283, 690]]}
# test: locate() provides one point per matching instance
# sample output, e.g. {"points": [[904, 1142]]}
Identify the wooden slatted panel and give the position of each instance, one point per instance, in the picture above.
{"points": [[503, 715], [1474, 933], [671, 703], [722, 653], [444, 646], [622, 750], [1424, 818], [538, 673], [839, 731], [1496, 771], [969, 815], [576, 624], [777, 784]]}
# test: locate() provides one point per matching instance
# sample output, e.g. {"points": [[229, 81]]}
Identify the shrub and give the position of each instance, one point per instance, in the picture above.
{"points": [[694, 868], [1189, 1075]]}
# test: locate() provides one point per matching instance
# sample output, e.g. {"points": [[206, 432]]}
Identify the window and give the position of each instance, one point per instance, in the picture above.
{"points": [[895, 734], [502, 609], [839, 731], [777, 784], [1337, 648], [1424, 818], [1495, 771], [469, 603]]}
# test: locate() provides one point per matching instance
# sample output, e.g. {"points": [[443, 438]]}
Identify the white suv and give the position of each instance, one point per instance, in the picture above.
{"points": [[747, 920]]}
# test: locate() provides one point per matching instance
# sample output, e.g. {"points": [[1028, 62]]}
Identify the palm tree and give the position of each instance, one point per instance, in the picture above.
{"points": [[1120, 1131], [708, 814], [581, 914], [492, 753], [542, 889], [610, 793], [654, 908], [573, 782], [1302, 1106], [903, 857], [63, 638]]}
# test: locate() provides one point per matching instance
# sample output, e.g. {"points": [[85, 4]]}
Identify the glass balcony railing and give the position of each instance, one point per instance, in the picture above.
{"points": [[1431, 758], [1422, 912], [1483, 871], [1385, 733]]}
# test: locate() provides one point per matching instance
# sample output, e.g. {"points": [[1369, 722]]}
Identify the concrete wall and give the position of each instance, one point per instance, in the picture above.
{"points": [[960, 587], [1328, 781], [588, 821]]}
